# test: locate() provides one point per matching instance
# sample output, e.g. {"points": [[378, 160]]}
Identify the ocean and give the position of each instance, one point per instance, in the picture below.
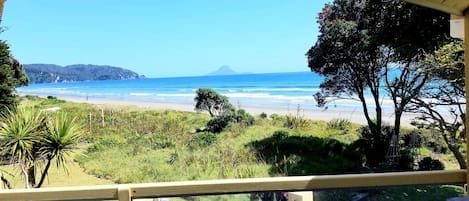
{"points": [[270, 90]]}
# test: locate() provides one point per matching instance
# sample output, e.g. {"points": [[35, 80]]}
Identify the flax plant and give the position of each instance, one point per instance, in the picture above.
{"points": [[30, 139]]}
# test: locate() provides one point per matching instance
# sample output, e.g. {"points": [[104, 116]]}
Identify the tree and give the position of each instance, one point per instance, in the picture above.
{"points": [[209, 100], [19, 135], [11, 76], [442, 102], [370, 47], [62, 136], [28, 138]]}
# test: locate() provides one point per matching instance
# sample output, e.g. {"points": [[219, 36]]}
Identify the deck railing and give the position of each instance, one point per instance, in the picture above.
{"points": [[127, 192]]}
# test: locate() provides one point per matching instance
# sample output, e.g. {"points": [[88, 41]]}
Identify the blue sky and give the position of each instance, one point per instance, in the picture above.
{"points": [[164, 38]]}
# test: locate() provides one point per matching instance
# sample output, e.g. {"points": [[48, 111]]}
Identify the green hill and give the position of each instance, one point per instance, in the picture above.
{"points": [[47, 73]]}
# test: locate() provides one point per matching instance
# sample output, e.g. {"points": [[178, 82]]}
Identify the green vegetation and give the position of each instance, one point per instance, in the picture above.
{"points": [[11, 76], [135, 145], [47, 73], [445, 68], [223, 113], [361, 51], [34, 140]]}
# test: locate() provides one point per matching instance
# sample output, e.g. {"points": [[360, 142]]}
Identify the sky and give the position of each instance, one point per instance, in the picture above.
{"points": [[164, 38]]}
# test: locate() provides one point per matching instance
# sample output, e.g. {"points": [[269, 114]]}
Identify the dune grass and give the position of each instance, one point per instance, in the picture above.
{"points": [[136, 145], [73, 175]]}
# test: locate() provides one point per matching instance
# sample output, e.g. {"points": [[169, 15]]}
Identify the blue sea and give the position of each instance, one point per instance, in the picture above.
{"points": [[273, 90]]}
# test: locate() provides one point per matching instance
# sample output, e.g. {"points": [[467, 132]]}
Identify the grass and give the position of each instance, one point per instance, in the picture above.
{"points": [[137, 145], [74, 175]]}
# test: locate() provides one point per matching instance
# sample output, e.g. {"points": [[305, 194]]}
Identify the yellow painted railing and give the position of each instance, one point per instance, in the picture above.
{"points": [[127, 192]]}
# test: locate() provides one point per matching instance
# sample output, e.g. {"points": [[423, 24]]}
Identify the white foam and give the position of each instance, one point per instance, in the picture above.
{"points": [[141, 94]]}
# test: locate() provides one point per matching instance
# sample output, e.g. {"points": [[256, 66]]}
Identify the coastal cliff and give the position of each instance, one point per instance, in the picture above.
{"points": [[49, 73]]}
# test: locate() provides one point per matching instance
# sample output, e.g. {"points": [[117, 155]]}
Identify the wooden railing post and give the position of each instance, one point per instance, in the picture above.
{"points": [[466, 71], [2, 2], [124, 193], [301, 196]]}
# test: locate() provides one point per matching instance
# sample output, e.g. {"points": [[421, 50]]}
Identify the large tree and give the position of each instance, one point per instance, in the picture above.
{"points": [[209, 100], [370, 48], [11, 76], [442, 102]]}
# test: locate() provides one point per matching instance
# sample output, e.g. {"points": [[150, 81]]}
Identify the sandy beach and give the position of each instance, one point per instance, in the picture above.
{"points": [[355, 116]]}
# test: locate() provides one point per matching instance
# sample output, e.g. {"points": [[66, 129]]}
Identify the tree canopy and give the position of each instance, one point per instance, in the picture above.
{"points": [[442, 102], [371, 49], [11, 76], [209, 100]]}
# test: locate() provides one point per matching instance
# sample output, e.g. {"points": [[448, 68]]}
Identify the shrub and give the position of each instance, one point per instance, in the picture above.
{"points": [[52, 100], [277, 117], [263, 115], [160, 142], [280, 134], [218, 123], [244, 118], [412, 139], [31, 97], [340, 124], [203, 139], [428, 163], [304, 155], [297, 122], [372, 145]]}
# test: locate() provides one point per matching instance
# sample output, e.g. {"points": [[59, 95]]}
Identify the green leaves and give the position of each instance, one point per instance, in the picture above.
{"points": [[11, 76], [19, 133], [28, 136], [61, 138], [209, 100]]}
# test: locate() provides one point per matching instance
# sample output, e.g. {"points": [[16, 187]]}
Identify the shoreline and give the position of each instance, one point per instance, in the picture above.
{"points": [[355, 116]]}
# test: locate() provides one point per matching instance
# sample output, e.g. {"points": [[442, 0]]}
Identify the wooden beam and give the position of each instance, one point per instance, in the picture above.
{"points": [[229, 186], [466, 82], [124, 193], [437, 6], [2, 2]]}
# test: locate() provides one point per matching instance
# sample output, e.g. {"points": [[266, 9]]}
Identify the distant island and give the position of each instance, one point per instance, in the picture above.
{"points": [[223, 70], [50, 73]]}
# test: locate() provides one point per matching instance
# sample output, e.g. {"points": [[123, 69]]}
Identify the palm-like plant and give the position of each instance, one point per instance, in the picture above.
{"points": [[58, 142], [19, 134], [28, 137]]}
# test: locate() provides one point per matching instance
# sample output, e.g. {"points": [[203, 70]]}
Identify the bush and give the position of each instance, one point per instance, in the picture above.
{"points": [[340, 124], [428, 163], [203, 139], [160, 142], [277, 117], [31, 97], [218, 123], [374, 146], [244, 118], [263, 115], [412, 139], [305, 155], [297, 122], [52, 100], [280, 134]]}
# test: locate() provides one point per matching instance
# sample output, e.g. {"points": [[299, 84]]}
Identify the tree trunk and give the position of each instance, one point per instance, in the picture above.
{"points": [[25, 176], [5, 182], [32, 175], [44, 173], [370, 122], [397, 122], [456, 152]]}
